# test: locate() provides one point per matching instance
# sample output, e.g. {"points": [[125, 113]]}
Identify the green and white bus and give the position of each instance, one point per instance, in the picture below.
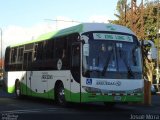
{"points": [[90, 62]]}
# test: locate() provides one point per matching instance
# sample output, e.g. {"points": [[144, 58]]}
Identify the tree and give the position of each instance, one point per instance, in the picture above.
{"points": [[150, 20], [142, 20], [121, 15], [150, 26], [149, 17]]}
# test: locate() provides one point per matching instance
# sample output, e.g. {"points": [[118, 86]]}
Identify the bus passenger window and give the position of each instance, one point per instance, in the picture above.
{"points": [[35, 52], [13, 55], [39, 51], [20, 54], [63, 53], [76, 56]]}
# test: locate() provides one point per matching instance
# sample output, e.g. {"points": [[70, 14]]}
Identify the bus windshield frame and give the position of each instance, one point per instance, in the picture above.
{"points": [[111, 57]]}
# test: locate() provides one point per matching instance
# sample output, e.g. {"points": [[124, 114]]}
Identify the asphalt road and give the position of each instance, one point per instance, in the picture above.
{"points": [[39, 109]]}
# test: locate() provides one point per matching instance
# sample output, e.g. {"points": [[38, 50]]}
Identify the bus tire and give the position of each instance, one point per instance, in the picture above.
{"points": [[60, 94], [17, 89]]}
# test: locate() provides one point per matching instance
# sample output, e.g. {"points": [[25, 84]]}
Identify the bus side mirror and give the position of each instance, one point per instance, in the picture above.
{"points": [[152, 53], [86, 49]]}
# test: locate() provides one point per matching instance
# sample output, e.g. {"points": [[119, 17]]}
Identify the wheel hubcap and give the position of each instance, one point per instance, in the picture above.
{"points": [[61, 95], [18, 92], [18, 89]]}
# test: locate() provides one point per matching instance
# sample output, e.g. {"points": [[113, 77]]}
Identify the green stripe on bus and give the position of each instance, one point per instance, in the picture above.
{"points": [[89, 97], [27, 91], [49, 94], [75, 97]]}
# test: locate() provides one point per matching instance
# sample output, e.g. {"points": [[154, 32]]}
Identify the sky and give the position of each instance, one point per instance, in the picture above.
{"points": [[23, 20], [29, 12]]}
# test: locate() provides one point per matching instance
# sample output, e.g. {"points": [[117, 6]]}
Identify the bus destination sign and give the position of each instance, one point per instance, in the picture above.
{"points": [[114, 37]]}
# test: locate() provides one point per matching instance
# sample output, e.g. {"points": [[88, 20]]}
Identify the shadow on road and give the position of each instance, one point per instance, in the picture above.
{"points": [[29, 108], [85, 107]]}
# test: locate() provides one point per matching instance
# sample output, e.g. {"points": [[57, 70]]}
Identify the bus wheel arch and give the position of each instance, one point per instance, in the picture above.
{"points": [[59, 93], [17, 88]]}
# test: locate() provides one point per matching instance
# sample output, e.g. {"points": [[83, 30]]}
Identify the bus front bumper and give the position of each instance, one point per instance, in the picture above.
{"points": [[96, 97]]}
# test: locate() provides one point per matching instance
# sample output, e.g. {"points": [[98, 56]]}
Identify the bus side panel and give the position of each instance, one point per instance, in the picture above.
{"points": [[11, 79], [75, 90], [64, 77], [37, 83], [24, 83], [42, 83]]}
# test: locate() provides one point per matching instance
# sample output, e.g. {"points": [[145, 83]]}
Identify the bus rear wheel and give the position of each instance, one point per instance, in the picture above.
{"points": [[60, 95], [17, 89]]}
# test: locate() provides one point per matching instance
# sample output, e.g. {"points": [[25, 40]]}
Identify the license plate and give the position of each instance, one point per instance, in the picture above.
{"points": [[117, 98]]}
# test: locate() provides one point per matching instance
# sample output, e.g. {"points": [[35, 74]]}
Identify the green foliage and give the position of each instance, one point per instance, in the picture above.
{"points": [[149, 17], [150, 20], [121, 10], [145, 27]]}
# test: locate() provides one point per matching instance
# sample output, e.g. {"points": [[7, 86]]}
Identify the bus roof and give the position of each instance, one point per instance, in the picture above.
{"points": [[81, 28]]}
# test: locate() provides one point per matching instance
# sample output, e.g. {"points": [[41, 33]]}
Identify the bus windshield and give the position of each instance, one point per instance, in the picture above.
{"points": [[113, 59]]}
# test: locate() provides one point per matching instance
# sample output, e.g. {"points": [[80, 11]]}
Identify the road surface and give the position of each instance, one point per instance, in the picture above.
{"points": [[40, 109]]}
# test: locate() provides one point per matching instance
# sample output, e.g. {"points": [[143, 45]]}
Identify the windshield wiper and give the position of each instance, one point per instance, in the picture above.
{"points": [[106, 64], [130, 72]]}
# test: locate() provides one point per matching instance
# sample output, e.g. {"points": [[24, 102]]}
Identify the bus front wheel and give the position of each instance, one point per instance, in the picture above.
{"points": [[17, 89], [60, 94]]}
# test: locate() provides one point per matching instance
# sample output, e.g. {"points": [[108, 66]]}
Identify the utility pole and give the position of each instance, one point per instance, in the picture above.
{"points": [[125, 13], [137, 13], [158, 45], [1, 48], [142, 20], [133, 15], [1, 69]]}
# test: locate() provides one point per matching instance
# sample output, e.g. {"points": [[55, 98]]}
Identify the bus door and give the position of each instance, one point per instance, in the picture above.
{"points": [[75, 71], [26, 65]]}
